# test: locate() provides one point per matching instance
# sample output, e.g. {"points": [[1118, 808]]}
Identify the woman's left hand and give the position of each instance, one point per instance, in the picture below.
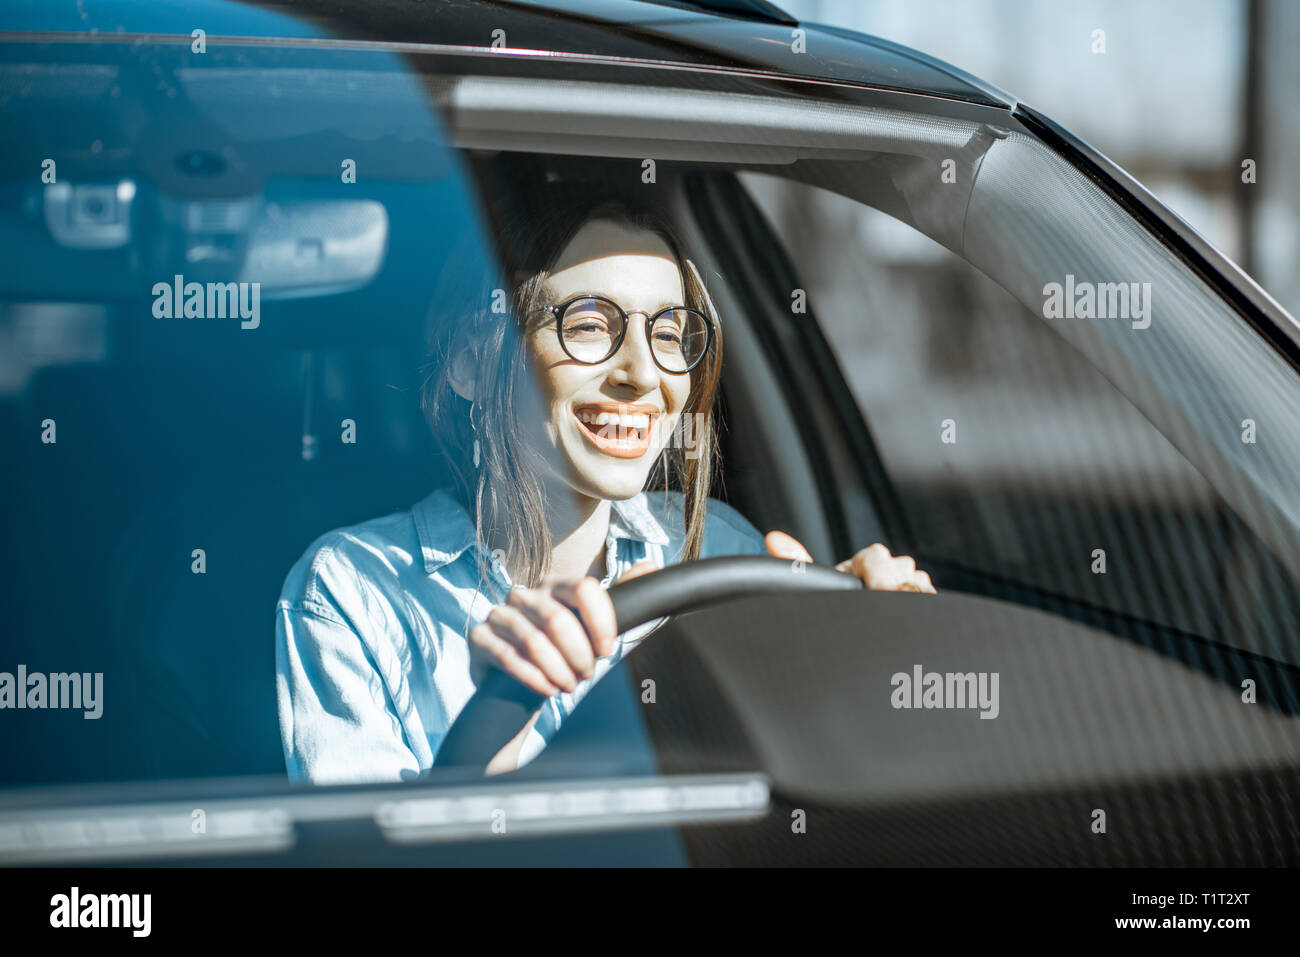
{"points": [[873, 565]]}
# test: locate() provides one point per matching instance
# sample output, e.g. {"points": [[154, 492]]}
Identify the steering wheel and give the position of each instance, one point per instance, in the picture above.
{"points": [[502, 706]]}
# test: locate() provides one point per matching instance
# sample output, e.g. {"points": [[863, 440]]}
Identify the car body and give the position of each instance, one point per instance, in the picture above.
{"points": [[1159, 688]]}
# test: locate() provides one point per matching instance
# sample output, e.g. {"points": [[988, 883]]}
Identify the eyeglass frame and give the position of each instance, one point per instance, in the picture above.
{"points": [[558, 310]]}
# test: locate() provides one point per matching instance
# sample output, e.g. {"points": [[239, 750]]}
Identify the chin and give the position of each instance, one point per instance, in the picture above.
{"points": [[613, 481], [617, 489], [609, 477]]}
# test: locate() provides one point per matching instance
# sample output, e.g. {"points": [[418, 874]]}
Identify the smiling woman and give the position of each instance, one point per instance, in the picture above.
{"points": [[557, 416], [501, 384], [554, 420]]}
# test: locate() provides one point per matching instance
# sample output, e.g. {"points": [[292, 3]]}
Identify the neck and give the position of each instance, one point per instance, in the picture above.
{"points": [[578, 526]]}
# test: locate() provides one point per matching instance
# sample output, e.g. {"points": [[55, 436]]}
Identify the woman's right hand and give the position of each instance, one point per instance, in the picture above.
{"points": [[549, 638]]}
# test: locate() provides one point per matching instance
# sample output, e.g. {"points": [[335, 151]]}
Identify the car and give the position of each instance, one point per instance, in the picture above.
{"points": [[952, 327]]}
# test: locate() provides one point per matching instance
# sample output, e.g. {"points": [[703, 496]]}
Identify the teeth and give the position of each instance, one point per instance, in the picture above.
{"points": [[635, 421]]}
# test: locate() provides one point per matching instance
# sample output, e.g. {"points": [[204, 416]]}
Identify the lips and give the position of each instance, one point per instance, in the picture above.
{"points": [[621, 430]]}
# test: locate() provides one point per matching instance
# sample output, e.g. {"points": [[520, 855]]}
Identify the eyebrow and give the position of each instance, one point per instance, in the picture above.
{"points": [[665, 304]]}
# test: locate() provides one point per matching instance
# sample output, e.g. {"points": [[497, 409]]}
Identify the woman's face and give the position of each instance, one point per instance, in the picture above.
{"points": [[610, 461]]}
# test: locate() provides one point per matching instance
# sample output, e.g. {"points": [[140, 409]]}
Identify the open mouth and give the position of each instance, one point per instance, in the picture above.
{"points": [[624, 433]]}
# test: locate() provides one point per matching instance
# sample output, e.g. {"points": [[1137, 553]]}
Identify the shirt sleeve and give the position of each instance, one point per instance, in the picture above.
{"points": [[336, 723], [727, 532]]}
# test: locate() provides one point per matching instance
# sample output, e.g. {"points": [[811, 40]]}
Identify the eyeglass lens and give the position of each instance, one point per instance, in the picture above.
{"points": [[591, 330]]}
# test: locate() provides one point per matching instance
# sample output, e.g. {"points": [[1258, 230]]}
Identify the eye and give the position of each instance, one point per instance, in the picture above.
{"points": [[588, 323], [668, 328]]}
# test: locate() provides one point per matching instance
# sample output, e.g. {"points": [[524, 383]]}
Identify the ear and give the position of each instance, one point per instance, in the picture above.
{"points": [[461, 374]]}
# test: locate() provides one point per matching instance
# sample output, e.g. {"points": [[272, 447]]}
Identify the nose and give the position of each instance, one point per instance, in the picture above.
{"points": [[633, 363]]}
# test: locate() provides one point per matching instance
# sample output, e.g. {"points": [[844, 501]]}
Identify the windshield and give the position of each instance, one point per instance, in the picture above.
{"points": [[294, 337], [1096, 459], [220, 272]]}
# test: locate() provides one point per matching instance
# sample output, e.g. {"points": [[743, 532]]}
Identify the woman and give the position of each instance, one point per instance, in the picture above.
{"points": [[556, 424]]}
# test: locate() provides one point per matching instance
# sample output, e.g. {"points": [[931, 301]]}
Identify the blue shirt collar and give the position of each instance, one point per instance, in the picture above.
{"points": [[632, 518], [446, 530]]}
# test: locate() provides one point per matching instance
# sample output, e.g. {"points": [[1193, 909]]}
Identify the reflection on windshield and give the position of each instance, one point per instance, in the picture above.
{"points": [[221, 272]]}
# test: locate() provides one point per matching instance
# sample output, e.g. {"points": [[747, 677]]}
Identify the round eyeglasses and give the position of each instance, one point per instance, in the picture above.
{"points": [[592, 328]]}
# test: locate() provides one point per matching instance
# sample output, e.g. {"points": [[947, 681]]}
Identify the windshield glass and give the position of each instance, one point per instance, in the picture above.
{"points": [[1016, 455], [311, 357], [221, 272]]}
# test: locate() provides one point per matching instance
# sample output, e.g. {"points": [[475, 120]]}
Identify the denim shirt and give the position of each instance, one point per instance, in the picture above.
{"points": [[372, 653]]}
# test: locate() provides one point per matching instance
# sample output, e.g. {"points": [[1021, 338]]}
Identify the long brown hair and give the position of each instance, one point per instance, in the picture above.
{"points": [[504, 495]]}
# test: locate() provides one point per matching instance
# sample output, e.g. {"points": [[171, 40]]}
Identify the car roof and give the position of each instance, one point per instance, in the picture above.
{"points": [[746, 35]]}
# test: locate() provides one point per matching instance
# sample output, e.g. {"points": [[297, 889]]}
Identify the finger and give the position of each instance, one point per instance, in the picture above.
{"points": [[786, 546], [891, 575], [875, 569], [864, 559], [643, 567], [532, 644], [561, 626], [899, 575], [596, 611], [504, 657]]}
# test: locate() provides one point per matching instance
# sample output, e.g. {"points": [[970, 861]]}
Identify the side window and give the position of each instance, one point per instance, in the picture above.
{"points": [[1022, 471]]}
